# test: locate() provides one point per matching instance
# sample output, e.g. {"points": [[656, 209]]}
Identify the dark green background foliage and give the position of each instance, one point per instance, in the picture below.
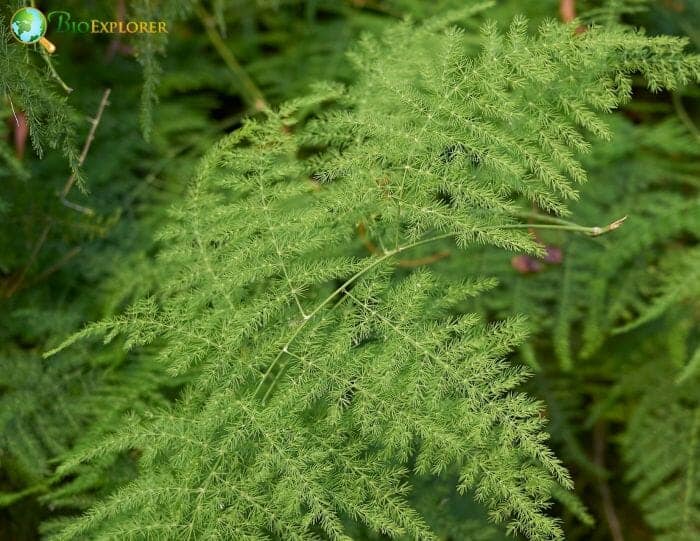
{"points": [[332, 269]]}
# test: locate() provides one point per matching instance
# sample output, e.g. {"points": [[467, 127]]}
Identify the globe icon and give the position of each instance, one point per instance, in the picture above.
{"points": [[28, 25]]}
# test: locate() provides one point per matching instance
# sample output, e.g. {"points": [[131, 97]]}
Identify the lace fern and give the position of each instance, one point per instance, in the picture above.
{"points": [[321, 374], [662, 448]]}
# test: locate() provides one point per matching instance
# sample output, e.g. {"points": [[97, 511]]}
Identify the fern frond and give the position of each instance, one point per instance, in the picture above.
{"points": [[340, 421], [662, 448], [52, 122], [322, 376], [150, 46]]}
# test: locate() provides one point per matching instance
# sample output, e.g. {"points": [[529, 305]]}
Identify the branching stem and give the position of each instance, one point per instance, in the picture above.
{"points": [[565, 225], [593, 231], [86, 148], [54, 73], [64, 192]]}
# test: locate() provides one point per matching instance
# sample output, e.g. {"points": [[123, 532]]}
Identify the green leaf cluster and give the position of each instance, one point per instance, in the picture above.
{"points": [[393, 300]]}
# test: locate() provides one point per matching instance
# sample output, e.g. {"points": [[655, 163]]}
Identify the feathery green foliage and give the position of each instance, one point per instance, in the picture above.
{"points": [[383, 307], [320, 375], [354, 413], [51, 121], [666, 477]]}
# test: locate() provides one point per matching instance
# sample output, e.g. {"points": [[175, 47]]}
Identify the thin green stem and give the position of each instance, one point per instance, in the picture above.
{"points": [[683, 115], [10, 498], [12, 106], [567, 226], [251, 93], [593, 231], [323, 303], [526, 215], [54, 73], [94, 122]]}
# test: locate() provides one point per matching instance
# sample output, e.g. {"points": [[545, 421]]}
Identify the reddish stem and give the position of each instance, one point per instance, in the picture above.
{"points": [[567, 10], [21, 130]]}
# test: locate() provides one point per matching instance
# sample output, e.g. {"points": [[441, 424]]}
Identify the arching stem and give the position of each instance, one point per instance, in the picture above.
{"points": [[569, 226]]}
